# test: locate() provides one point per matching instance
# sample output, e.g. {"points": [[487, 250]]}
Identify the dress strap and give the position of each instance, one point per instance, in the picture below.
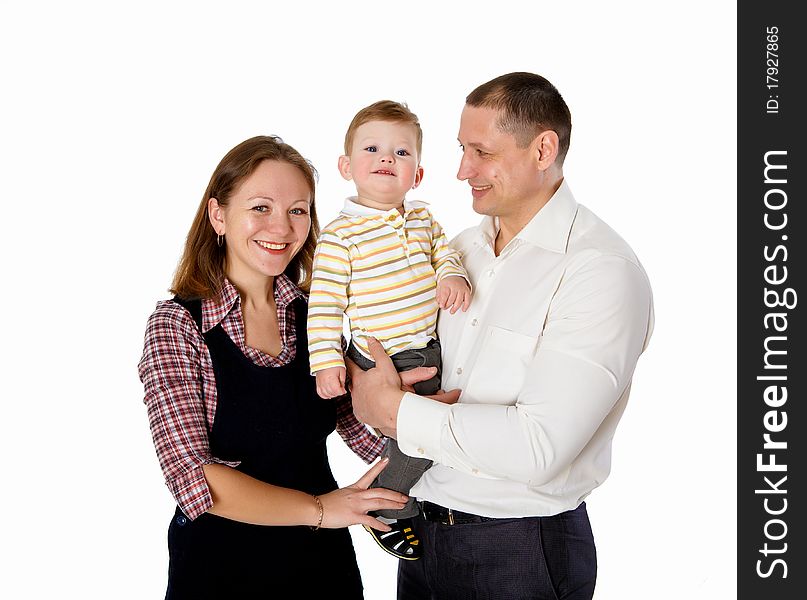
{"points": [[194, 307]]}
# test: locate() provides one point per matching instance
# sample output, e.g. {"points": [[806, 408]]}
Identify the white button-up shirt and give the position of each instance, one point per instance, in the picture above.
{"points": [[544, 357]]}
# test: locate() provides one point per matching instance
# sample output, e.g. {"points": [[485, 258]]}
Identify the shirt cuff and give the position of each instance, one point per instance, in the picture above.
{"points": [[420, 425], [190, 491], [456, 274], [326, 360]]}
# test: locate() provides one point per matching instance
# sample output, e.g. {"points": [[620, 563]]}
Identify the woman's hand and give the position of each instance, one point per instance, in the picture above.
{"points": [[349, 505]]}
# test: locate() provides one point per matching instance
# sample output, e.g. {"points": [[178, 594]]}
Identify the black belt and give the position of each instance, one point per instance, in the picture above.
{"points": [[447, 516]]}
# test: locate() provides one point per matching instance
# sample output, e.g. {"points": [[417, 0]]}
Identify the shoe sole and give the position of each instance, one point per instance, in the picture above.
{"points": [[370, 530]]}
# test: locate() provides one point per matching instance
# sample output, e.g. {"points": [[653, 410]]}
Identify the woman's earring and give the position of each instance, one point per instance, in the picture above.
{"points": [[220, 240]]}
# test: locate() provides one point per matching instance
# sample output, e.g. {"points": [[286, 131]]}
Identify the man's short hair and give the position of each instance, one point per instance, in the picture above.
{"points": [[529, 105], [384, 110]]}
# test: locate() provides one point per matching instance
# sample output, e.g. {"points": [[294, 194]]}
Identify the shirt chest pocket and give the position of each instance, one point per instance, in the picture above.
{"points": [[501, 367]]}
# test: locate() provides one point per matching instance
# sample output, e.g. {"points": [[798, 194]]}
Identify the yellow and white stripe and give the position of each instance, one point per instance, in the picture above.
{"points": [[381, 269]]}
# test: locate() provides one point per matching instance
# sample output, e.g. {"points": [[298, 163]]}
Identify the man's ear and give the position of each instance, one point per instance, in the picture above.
{"points": [[546, 147], [344, 167], [216, 215], [418, 177]]}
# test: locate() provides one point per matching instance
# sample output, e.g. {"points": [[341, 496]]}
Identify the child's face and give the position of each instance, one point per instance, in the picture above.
{"points": [[383, 163]]}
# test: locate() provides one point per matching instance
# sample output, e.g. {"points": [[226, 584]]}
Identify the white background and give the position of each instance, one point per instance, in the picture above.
{"points": [[113, 118]]}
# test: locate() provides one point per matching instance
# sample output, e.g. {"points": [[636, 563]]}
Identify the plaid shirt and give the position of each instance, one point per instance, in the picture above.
{"points": [[180, 388]]}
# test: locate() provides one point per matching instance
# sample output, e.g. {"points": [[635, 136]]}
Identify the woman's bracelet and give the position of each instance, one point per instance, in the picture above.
{"points": [[321, 513]]}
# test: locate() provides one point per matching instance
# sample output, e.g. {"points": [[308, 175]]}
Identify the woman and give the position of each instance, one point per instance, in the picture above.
{"points": [[237, 425]]}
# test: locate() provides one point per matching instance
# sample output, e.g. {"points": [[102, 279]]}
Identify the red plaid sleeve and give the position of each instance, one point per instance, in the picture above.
{"points": [[171, 372], [355, 434]]}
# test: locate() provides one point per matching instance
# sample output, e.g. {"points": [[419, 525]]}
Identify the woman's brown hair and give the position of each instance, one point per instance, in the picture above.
{"points": [[200, 273]]}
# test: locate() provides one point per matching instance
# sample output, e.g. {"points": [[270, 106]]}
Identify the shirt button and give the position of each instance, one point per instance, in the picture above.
{"points": [[491, 273], [421, 451], [459, 370], [475, 471], [181, 520], [474, 323]]}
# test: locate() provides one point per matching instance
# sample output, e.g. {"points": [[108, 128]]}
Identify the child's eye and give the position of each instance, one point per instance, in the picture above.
{"points": [[371, 149], [402, 152]]}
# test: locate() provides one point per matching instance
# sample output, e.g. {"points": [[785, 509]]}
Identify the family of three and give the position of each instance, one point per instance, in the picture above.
{"points": [[533, 320]]}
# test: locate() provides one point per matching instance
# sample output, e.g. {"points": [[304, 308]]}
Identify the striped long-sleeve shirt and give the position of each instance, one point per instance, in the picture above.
{"points": [[380, 268]]}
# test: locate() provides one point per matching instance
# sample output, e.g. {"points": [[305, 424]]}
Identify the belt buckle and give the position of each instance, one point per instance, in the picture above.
{"points": [[450, 517]]}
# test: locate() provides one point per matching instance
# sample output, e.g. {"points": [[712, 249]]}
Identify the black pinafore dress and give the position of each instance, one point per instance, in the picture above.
{"points": [[270, 419]]}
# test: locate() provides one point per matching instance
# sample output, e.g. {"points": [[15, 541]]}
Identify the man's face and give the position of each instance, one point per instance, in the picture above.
{"points": [[504, 178]]}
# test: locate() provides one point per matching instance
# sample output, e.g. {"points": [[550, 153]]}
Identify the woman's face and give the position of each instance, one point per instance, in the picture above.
{"points": [[266, 221]]}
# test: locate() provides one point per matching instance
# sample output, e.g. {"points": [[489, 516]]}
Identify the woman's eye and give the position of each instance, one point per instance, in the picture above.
{"points": [[260, 208], [298, 211]]}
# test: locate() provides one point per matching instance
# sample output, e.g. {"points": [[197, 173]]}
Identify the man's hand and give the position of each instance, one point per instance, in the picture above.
{"points": [[377, 393]]}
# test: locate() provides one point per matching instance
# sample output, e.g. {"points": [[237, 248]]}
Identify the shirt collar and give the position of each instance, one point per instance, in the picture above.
{"points": [[549, 228], [354, 209], [216, 309]]}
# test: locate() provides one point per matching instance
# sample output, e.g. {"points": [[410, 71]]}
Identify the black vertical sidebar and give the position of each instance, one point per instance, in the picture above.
{"points": [[772, 363]]}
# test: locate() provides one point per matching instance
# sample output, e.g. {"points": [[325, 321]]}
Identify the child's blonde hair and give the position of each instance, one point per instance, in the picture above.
{"points": [[384, 110]]}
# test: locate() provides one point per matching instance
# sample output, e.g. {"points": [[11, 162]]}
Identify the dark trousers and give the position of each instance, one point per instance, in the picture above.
{"points": [[403, 470], [546, 558]]}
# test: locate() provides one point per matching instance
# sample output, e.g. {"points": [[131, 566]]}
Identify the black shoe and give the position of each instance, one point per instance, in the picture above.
{"points": [[401, 542]]}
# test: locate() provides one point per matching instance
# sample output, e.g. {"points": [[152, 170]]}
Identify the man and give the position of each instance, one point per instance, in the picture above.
{"points": [[544, 357]]}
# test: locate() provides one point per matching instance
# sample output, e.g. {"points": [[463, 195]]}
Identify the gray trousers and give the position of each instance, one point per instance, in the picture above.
{"points": [[403, 471]]}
